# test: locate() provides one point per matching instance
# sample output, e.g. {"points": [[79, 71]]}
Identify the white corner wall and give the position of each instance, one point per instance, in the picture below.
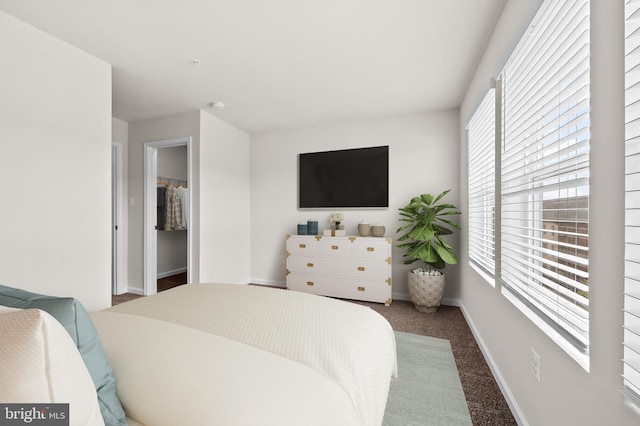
{"points": [[219, 196], [423, 157], [55, 165], [224, 202], [567, 394], [119, 131]]}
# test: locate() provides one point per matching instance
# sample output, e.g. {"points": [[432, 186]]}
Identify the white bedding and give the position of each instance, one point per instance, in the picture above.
{"points": [[170, 375], [351, 344]]}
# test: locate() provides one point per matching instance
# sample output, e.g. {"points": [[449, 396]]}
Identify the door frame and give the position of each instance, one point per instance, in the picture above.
{"points": [[150, 210], [117, 225]]}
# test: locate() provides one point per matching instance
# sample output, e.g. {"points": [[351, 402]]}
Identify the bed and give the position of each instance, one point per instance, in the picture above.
{"points": [[236, 354]]}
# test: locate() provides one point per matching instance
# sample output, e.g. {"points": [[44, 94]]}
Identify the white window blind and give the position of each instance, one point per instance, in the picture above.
{"points": [[631, 352], [481, 153], [545, 174]]}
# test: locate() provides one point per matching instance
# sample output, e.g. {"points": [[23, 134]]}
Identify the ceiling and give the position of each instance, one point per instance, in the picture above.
{"points": [[276, 64]]}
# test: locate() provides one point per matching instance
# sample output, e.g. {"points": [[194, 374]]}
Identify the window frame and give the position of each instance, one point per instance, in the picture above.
{"points": [[481, 178], [631, 295], [538, 106]]}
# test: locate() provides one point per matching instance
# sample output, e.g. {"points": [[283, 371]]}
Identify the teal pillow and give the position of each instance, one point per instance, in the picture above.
{"points": [[75, 319]]}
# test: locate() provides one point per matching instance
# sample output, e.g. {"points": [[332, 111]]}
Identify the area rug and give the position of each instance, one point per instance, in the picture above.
{"points": [[428, 389]]}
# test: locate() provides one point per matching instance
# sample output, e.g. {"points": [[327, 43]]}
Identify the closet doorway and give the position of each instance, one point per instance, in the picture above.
{"points": [[167, 230]]}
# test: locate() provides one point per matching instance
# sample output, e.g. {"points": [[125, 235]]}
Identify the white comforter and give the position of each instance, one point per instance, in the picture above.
{"points": [[348, 343]]}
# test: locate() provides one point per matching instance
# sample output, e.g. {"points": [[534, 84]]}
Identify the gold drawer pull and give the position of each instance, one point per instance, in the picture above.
{"points": [[360, 288], [310, 265], [334, 247], [303, 246], [361, 268], [370, 249], [310, 283]]}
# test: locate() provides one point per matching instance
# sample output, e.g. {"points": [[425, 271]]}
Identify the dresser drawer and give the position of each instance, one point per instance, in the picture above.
{"points": [[368, 269], [310, 284], [371, 248], [371, 290], [309, 265], [305, 245], [335, 246]]}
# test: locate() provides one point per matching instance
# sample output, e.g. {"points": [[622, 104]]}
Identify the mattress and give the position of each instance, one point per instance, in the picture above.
{"points": [[350, 344]]}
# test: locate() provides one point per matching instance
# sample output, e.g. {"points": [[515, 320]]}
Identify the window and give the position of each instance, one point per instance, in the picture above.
{"points": [[481, 136], [631, 354], [545, 175]]}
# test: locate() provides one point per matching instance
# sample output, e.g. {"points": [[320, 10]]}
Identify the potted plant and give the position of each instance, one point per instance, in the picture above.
{"points": [[426, 224]]}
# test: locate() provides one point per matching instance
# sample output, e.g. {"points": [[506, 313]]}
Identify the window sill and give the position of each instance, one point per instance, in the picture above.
{"points": [[581, 358]]}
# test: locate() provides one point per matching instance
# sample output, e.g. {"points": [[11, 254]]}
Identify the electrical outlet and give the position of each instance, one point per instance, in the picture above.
{"points": [[535, 365]]}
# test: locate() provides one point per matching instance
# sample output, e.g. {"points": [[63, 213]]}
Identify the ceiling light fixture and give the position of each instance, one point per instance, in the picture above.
{"points": [[216, 105]]}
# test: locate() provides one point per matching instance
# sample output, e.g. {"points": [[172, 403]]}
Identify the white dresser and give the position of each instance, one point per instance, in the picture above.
{"points": [[350, 267]]}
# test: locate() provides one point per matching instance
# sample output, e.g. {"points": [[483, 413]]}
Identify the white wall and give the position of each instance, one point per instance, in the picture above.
{"points": [[119, 130], [567, 394], [55, 166], [224, 202], [423, 158]]}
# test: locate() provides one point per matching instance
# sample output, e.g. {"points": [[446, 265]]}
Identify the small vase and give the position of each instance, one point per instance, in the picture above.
{"points": [[312, 227], [363, 229], [377, 230]]}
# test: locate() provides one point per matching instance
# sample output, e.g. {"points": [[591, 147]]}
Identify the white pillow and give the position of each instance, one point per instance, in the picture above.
{"points": [[41, 364]]}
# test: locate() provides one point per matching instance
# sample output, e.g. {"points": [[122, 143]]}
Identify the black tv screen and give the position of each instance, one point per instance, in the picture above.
{"points": [[345, 178]]}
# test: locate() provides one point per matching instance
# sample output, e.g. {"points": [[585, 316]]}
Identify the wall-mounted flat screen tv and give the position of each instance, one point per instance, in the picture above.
{"points": [[349, 178]]}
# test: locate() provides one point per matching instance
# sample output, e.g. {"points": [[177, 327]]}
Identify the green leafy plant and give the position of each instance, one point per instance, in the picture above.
{"points": [[426, 223]]}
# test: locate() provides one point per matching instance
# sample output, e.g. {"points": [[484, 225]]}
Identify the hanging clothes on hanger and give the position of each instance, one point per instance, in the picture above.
{"points": [[183, 195], [173, 217], [161, 206]]}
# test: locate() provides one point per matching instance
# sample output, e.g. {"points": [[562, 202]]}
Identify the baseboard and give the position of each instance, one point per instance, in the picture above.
{"points": [[171, 273], [504, 388], [135, 290], [401, 296], [406, 298], [269, 283], [450, 302]]}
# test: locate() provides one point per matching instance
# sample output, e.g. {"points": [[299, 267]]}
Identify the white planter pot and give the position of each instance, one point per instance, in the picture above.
{"points": [[426, 291]]}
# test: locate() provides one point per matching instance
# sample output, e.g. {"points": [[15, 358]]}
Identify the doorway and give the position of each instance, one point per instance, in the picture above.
{"points": [[117, 241], [151, 216]]}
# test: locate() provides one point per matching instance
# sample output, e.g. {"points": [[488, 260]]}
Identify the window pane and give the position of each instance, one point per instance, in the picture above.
{"points": [[481, 152], [545, 171]]}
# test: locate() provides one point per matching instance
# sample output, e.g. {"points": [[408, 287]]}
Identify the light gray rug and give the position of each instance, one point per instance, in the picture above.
{"points": [[428, 389]]}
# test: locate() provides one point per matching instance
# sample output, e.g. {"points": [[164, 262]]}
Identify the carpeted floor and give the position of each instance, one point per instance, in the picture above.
{"points": [[486, 403]]}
